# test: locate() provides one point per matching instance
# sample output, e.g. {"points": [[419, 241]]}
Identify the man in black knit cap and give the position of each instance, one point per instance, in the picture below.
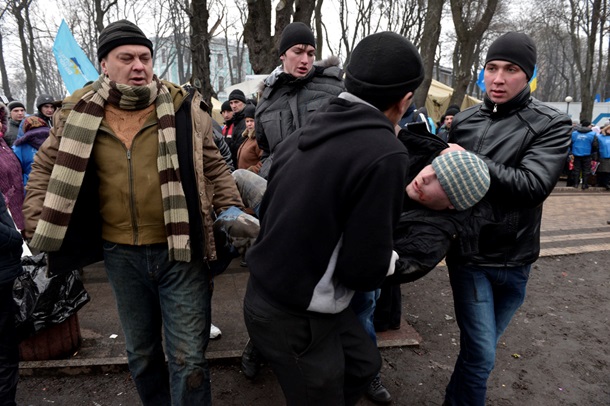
{"points": [[525, 144], [335, 192]]}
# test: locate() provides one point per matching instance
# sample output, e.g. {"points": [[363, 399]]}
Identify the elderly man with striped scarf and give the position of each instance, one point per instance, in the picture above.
{"points": [[130, 174]]}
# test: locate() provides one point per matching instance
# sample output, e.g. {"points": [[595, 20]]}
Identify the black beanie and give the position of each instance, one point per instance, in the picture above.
{"points": [[237, 95], [226, 106], [249, 111], [451, 111], [295, 34], [119, 33], [14, 104], [514, 47], [383, 68]]}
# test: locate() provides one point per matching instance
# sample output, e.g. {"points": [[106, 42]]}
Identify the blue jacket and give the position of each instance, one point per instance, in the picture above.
{"points": [[604, 145], [582, 141], [10, 246], [26, 147]]}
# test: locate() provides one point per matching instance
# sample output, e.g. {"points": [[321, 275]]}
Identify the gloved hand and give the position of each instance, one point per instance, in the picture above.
{"points": [[240, 228]]}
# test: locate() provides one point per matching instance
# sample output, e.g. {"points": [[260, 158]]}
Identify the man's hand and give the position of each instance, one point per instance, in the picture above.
{"points": [[240, 228]]}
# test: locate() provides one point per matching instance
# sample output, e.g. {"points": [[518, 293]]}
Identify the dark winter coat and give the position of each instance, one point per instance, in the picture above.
{"points": [[11, 179], [525, 145], [327, 217], [10, 246], [286, 103], [424, 236]]}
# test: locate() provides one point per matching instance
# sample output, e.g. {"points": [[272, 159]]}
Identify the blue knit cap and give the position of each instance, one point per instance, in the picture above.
{"points": [[463, 176]]}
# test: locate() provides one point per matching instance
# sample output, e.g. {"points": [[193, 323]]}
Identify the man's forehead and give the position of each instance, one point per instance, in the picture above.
{"points": [[499, 62], [140, 50]]}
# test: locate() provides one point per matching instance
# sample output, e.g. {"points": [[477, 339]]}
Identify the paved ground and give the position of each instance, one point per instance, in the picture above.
{"points": [[574, 221]]}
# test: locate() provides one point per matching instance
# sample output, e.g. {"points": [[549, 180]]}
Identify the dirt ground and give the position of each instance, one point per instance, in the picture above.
{"points": [[555, 351]]}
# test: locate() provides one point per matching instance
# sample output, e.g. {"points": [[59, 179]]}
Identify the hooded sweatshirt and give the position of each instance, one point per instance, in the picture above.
{"points": [[335, 192]]}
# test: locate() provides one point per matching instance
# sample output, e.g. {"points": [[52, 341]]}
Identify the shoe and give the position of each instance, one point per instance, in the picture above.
{"points": [[585, 187], [378, 393], [250, 361], [215, 332]]}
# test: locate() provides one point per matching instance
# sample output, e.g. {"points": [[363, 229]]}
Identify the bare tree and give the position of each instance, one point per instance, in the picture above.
{"points": [[428, 46], [471, 19], [584, 20], [257, 30], [21, 11], [3, 72], [200, 48]]}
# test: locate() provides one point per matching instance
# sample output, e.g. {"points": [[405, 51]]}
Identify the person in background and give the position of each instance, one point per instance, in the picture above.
{"points": [[227, 115], [249, 154], [11, 244], [443, 131], [238, 102], [584, 145], [138, 181], [45, 104], [36, 131], [11, 176], [301, 283], [603, 170], [17, 114], [524, 144]]}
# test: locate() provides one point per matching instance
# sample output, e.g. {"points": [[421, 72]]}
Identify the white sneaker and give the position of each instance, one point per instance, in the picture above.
{"points": [[214, 332]]}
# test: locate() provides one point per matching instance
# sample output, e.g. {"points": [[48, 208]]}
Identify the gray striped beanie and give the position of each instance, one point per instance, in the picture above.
{"points": [[463, 176]]}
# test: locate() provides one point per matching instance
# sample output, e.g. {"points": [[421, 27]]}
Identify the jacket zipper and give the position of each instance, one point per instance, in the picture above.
{"points": [[495, 110], [132, 203]]}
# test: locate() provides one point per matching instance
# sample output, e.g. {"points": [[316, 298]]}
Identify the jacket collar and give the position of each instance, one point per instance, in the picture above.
{"points": [[516, 103]]}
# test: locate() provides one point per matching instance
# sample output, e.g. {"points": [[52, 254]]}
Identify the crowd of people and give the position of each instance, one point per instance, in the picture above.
{"points": [[332, 186]]}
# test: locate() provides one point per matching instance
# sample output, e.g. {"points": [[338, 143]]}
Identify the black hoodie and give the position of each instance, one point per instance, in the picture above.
{"points": [[335, 192]]}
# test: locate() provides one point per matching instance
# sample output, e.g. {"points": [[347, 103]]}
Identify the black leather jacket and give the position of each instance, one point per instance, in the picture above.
{"points": [[525, 144]]}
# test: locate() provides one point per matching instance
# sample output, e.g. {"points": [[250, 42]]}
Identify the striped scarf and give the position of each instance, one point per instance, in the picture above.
{"points": [[75, 149]]}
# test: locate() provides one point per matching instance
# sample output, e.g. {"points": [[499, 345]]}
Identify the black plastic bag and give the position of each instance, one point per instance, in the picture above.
{"points": [[44, 300]]}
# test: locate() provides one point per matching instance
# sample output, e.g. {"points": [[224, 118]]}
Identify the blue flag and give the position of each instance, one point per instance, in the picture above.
{"points": [[481, 80], [73, 64]]}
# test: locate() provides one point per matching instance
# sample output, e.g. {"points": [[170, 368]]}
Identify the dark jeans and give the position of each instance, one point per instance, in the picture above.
{"points": [[485, 300], [581, 164], [153, 293], [388, 311], [318, 359], [9, 347]]}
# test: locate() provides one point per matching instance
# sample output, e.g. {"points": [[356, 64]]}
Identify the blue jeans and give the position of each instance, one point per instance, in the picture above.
{"points": [[363, 304], [153, 293], [485, 300]]}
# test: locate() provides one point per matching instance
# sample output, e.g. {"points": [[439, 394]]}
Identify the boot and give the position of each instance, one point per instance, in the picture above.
{"points": [[251, 360], [377, 393]]}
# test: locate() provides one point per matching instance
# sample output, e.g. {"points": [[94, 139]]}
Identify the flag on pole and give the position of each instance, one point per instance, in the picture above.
{"points": [[534, 79], [73, 64], [481, 80]]}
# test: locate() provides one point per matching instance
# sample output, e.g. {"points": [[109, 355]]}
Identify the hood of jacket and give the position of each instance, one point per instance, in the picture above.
{"points": [[35, 137], [279, 77], [584, 130], [339, 119]]}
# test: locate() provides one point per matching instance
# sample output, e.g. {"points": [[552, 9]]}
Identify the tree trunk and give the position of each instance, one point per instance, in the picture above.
{"points": [[428, 46], [3, 73], [469, 34], [29, 66], [257, 34], [200, 49]]}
